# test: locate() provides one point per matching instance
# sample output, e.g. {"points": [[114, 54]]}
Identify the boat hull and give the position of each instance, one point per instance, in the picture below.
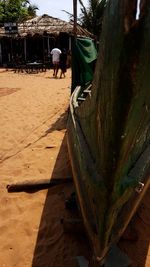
{"points": [[109, 128], [92, 207]]}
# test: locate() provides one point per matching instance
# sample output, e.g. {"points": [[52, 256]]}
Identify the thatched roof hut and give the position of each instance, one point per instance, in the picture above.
{"points": [[46, 24], [35, 38]]}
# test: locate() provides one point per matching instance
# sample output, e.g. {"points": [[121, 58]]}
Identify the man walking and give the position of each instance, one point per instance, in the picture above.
{"points": [[55, 60]]}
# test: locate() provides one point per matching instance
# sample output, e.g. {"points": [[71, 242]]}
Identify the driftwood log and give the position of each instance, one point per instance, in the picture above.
{"points": [[36, 184]]}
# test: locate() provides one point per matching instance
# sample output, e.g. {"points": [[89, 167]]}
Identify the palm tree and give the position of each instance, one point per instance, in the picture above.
{"points": [[91, 17], [32, 11]]}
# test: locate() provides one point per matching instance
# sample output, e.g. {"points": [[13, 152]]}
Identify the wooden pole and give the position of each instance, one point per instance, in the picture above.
{"points": [[25, 49], [43, 49], [75, 17], [0, 53], [37, 184], [48, 46]]}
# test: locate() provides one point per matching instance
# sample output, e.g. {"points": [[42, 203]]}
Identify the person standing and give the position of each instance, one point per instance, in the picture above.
{"points": [[63, 63], [55, 60]]}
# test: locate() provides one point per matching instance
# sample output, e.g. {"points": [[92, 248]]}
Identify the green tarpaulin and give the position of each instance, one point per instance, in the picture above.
{"points": [[84, 55]]}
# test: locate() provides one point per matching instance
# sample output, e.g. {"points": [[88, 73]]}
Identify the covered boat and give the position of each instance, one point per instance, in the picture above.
{"points": [[109, 126]]}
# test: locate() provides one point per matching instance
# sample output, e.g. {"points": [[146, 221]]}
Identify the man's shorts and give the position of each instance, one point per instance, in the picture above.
{"points": [[55, 62]]}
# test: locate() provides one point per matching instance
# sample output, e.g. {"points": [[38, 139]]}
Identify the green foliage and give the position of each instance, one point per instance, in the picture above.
{"points": [[32, 10], [91, 17], [16, 10]]}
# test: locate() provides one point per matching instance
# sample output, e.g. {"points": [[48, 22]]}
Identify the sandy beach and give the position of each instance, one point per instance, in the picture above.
{"points": [[33, 116]]}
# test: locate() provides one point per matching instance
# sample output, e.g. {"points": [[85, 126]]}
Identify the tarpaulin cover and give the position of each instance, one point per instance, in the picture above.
{"points": [[84, 55]]}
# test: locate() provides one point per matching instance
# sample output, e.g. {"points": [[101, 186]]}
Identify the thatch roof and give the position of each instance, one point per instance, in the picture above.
{"points": [[46, 24]]}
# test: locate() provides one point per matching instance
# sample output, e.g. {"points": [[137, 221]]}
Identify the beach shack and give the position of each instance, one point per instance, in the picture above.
{"points": [[33, 39]]}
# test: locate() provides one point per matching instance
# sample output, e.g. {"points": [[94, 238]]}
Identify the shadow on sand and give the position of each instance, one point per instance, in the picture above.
{"points": [[56, 247], [59, 124]]}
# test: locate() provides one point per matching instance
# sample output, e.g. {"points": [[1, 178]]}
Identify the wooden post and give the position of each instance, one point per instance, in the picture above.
{"points": [[70, 43], [48, 46], [0, 53], [11, 49], [75, 17], [43, 49], [25, 49]]}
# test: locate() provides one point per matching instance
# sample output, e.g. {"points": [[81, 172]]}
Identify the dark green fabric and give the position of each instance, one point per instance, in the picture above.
{"points": [[84, 55]]}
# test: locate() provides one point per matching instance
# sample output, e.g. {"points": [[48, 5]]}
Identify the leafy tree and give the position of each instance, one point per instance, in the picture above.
{"points": [[91, 17], [16, 10]]}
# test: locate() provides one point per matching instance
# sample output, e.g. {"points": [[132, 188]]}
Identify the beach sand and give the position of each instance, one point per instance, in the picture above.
{"points": [[33, 115]]}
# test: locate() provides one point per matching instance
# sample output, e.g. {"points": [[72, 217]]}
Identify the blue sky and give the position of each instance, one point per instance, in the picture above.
{"points": [[54, 7]]}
